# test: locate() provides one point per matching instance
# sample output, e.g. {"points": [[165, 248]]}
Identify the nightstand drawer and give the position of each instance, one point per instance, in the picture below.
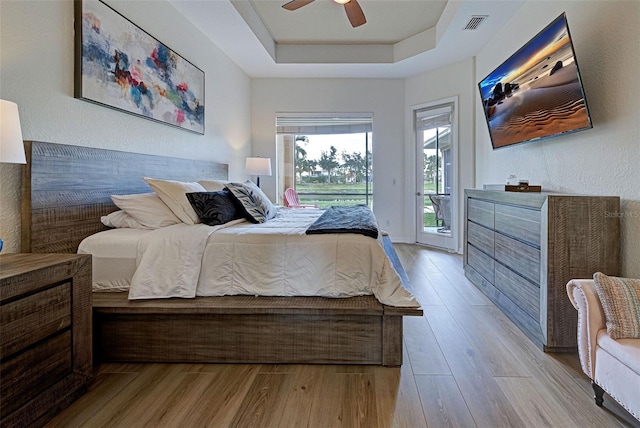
{"points": [[45, 335], [30, 373], [49, 311]]}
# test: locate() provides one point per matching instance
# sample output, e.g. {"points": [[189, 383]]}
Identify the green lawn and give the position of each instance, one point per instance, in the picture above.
{"points": [[336, 197]]}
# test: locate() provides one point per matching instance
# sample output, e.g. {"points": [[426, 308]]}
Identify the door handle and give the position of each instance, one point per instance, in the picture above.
{"points": [[418, 194]]}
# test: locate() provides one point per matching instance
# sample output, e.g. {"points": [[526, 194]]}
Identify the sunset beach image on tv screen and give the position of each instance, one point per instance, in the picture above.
{"points": [[537, 92]]}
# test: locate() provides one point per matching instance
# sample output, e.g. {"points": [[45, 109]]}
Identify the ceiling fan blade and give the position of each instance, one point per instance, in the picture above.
{"points": [[296, 4], [354, 13]]}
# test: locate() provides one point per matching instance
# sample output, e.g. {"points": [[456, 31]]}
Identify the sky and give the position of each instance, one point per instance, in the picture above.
{"points": [[343, 142]]}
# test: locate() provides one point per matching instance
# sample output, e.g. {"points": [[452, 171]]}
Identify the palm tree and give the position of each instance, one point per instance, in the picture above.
{"points": [[328, 160]]}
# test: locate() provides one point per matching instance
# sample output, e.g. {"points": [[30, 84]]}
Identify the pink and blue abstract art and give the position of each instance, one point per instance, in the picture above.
{"points": [[119, 65]]}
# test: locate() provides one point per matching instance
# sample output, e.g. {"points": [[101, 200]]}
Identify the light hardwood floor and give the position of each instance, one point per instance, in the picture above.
{"points": [[465, 365]]}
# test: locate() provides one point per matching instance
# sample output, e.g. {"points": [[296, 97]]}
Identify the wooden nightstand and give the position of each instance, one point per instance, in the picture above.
{"points": [[45, 335]]}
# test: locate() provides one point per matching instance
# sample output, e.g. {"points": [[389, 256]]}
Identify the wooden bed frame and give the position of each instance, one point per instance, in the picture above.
{"points": [[65, 191]]}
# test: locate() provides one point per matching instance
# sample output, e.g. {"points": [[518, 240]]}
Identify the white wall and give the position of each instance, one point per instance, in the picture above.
{"points": [[36, 42], [455, 80], [36, 45], [382, 97], [604, 160]]}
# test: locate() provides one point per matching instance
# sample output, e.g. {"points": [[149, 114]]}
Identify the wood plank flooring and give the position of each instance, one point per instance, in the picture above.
{"points": [[465, 365]]}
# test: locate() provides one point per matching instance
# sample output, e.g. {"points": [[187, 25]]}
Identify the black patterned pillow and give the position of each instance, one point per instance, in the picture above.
{"points": [[214, 208], [256, 205]]}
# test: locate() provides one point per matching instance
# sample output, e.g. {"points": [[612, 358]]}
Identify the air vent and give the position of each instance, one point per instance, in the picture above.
{"points": [[475, 22]]}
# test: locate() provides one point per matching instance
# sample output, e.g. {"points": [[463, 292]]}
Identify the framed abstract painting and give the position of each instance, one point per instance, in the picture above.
{"points": [[119, 65]]}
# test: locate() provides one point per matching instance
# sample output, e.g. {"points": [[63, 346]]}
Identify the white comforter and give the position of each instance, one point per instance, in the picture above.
{"points": [[275, 258]]}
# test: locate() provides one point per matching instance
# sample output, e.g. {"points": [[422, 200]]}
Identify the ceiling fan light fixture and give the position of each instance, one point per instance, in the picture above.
{"points": [[351, 7]]}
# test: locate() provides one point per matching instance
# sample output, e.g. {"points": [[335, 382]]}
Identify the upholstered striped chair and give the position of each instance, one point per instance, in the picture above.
{"points": [[613, 365]]}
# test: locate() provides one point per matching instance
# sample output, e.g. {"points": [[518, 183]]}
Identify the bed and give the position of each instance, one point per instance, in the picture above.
{"points": [[66, 189]]}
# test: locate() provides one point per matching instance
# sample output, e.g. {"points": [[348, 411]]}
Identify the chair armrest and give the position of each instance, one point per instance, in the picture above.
{"points": [[583, 296]]}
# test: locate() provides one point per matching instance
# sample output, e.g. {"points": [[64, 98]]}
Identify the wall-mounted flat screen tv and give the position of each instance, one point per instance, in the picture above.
{"points": [[537, 93]]}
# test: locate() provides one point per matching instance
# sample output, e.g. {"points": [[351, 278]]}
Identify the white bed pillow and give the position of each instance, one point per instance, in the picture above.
{"points": [[120, 219], [173, 194], [147, 209], [213, 185]]}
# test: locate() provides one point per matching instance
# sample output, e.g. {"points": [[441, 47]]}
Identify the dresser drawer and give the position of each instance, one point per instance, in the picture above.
{"points": [[519, 256], [49, 311], [522, 292], [481, 212], [480, 237], [26, 375], [520, 223], [481, 262]]}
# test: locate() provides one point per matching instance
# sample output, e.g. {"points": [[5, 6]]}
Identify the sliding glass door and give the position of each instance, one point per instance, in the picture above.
{"points": [[326, 158]]}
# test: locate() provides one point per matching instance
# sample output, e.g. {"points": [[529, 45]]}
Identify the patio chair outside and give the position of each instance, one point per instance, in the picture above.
{"points": [[292, 200], [442, 211]]}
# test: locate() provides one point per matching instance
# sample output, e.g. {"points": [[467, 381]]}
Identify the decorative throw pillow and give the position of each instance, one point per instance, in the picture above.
{"points": [[121, 220], [620, 298], [263, 199], [213, 185], [173, 193], [146, 208], [253, 203], [214, 208]]}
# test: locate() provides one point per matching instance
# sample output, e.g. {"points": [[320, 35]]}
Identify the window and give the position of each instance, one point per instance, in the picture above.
{"points": [[326, 158]]}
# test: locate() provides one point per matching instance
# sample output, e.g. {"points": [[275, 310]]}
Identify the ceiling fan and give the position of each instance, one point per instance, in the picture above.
{"points": [[351, 7]]}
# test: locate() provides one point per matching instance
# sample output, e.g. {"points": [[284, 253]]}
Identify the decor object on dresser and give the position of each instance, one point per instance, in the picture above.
{"points": [[258, 167], [522, 187], [119, 65], [46, 354], [520, 250], [292, 200], [11, 145], [613, 365]]}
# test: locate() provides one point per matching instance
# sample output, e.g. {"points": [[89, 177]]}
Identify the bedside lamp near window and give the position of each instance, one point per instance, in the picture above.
{"points": [[11, 144], [258, 167]]}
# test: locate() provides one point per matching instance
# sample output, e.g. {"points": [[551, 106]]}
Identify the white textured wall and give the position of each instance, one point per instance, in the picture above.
{"points": [[454, 80], [382, 97], [604, 160], [36, 45]]}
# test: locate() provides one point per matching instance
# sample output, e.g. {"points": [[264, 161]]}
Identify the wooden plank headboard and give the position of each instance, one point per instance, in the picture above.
{"points": [[66, 189]]}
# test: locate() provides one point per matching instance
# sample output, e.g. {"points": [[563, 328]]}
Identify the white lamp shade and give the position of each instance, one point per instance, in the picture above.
{"points": [[11, 144], [258, 166]]}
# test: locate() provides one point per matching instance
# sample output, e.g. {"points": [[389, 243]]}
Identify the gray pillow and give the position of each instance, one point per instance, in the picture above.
{"points": [[214, 208]]}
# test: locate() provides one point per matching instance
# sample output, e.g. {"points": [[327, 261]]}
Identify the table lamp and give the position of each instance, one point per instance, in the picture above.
{"points": [[11, 144], [258, 167]]}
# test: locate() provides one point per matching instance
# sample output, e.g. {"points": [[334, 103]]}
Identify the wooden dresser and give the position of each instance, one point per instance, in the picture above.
{"points": [[521, 249], [45, 335]]}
